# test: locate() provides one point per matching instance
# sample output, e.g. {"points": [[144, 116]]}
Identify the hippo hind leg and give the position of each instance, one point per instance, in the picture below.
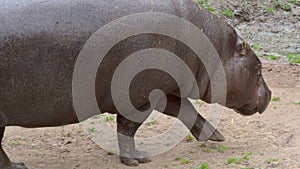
{"points": [[128, 153], [5, 163]]}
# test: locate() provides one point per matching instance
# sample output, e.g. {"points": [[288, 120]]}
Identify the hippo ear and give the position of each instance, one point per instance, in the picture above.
{"points": [[240, 49]]}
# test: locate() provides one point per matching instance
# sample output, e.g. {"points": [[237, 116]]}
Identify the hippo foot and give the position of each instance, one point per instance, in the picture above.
{"points": [[135, 158], [217, 136]]}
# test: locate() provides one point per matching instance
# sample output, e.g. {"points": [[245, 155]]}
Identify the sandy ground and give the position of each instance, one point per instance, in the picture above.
{"points": [[272, 136]]}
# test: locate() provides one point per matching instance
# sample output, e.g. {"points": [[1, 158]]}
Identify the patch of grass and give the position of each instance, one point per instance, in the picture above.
{"points": [[276, 99], [92, 130], [242, 160], [295, 58], [256, 47], [273, 57], [272, 160], [277, 3], [206, 150], [297, 103], [189, 137], [228, 13], [202, 2], [152, 122], [203, 166], [293, 2], [109, 118], [207, 6], [287, 7], [280, 52], [270, 9], [15, 143], [199, 102], [184, 161], [221, 149], [231, 160]]}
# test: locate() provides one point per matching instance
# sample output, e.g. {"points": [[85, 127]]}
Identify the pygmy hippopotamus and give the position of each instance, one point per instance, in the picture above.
{"points": [[40, 42]]}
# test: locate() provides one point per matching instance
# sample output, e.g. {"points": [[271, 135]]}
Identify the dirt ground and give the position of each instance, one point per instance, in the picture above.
{"points": [[273, 136]]}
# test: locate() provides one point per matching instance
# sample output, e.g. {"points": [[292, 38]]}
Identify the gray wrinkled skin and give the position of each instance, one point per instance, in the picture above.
{"points": [[40, 41]]}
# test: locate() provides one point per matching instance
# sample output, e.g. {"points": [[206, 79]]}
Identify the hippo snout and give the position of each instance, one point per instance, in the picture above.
{"points": [[264, 98], [260, 103]]}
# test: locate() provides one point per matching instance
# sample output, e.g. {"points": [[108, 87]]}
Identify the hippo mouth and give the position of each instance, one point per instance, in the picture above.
{"points": [[247, 110]]}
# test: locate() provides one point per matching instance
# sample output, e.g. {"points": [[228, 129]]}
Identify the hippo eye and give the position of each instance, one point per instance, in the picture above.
{"points": [[258, 66], [258, 69], [241, 48]]}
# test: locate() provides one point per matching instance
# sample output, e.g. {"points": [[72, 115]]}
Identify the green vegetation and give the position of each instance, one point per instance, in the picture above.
{"points": [[185, 161], [203, 166], [106, 118], [276, 99], [287, 7], [189, 137], [294, 58], [277, 3], [152, 122], [206, 5], [199, 102], [273, 57], [291, 57], [270, 9], [15, 143], [256, 47], [109, 118], [272, 160], [207, 150], [217, 149], [293, 2], [297, 103], [182, 160], [92, 130], [221, 148], [242, 160], [228, 13]]}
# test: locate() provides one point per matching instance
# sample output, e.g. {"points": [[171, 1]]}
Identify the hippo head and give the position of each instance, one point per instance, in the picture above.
{"points": [[247, 92]]}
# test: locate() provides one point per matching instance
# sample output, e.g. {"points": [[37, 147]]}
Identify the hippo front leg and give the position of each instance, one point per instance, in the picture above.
{"points": [[5, 163], [126, 131], [201, 129]]}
